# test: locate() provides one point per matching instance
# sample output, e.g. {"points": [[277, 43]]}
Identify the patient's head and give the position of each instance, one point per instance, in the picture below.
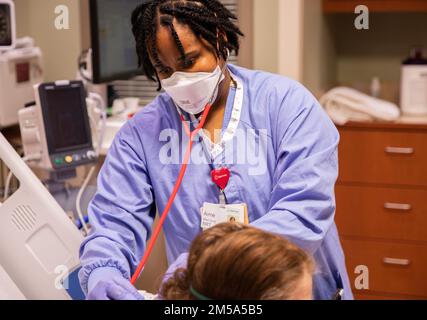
{"points": [[236, 262]]}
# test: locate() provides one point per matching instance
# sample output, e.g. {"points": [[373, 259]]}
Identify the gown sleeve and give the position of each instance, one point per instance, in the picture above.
{"points": [[302, 203], [121, 213]]}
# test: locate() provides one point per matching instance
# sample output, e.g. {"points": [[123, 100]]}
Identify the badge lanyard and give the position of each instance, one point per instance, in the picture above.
{"points": [[221, 176]]}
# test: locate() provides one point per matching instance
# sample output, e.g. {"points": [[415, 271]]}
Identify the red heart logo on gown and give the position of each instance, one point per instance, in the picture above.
{"points": [[221, 177]]}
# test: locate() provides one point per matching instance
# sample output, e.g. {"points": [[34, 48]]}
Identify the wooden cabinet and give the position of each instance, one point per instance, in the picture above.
{"points": [[381, 212], [394, 267], [336, 6]]}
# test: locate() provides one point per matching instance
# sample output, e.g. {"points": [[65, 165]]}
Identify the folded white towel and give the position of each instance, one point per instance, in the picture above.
{"points": [[345, 104]]}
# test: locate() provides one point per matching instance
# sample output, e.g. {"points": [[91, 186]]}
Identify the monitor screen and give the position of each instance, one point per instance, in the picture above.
{"points": [[113, 44], [65, 118], [5, 25]]}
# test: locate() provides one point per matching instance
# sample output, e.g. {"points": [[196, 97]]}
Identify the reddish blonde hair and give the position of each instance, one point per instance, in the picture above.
{"points": [[232, 261]]}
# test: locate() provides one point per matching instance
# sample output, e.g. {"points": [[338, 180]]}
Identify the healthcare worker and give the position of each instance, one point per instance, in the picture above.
{"points": [[267, 148]]}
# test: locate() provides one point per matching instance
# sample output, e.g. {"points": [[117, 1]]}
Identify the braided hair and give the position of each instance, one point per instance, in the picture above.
{"points": [[206, 18]]}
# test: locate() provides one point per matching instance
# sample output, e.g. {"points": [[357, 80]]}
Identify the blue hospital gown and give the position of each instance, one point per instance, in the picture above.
{"points": [[284, 168]]}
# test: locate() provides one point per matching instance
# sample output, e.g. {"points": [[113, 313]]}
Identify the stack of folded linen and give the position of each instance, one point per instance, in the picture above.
{"points": [[345, 104]]}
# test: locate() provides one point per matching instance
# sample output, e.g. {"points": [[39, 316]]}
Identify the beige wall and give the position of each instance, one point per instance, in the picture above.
{"points": [[290, 38], [61, 48], [245, 15], [306, 50], [265, 35], [319, 66], [22, 17]]}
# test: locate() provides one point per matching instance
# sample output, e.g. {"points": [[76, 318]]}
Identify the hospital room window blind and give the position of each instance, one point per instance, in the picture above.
{"points": [[145, 89]]}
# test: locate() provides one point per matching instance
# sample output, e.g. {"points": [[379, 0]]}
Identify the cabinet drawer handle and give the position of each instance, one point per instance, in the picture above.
{"points": [[397, 206], [397, 262], [394, 150]]}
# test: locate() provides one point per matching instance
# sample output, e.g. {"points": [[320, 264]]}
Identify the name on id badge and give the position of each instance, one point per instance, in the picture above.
{"points": [[213, 214]]}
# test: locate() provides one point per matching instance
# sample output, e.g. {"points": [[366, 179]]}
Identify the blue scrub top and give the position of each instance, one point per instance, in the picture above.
{"points": [[283, 161]]}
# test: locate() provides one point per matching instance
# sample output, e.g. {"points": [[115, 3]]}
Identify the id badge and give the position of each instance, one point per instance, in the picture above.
{"points": [[213, 214]]}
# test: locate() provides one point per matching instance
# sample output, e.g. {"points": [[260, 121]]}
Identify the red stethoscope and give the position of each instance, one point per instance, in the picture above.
{"points": [[174, 192], [219, 176]]}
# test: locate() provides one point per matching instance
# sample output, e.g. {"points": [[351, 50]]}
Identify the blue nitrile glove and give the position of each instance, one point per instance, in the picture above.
{"points": [[109, 284], [180, 263]]}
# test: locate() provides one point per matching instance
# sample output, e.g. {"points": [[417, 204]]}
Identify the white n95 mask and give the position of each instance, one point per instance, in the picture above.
{"points": [[192, 91]]}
